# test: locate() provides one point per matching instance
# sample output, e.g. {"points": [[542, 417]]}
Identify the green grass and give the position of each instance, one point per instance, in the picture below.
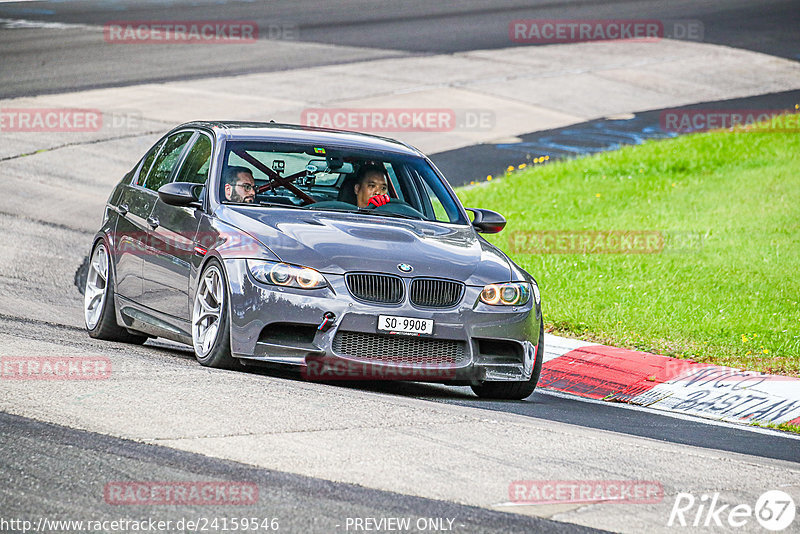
{"points": [[724, 289], [786, 427]]}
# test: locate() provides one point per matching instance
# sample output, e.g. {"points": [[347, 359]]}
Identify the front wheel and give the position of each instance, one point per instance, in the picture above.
{"points": [[211, 337], [98, 301], [515, 390]]}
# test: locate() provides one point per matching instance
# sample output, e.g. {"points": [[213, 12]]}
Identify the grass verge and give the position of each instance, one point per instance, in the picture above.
{"points": [[723, 283], [786, 427]]}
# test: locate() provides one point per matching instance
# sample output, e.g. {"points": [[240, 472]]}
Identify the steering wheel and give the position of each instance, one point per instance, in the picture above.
{"points": [[399, 207], [395, 201]]}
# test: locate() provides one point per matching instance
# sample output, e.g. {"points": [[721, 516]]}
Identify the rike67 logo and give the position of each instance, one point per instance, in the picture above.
{"points": [[774, 510]]}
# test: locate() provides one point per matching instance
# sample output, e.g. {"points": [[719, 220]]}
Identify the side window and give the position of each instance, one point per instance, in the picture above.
{"points": [[148, 162], [166, 160], [195, 166]]}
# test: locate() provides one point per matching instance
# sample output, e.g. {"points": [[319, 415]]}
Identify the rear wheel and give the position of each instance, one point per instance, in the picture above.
{"points": [[98, 301], [515, 390], [211, 336]]}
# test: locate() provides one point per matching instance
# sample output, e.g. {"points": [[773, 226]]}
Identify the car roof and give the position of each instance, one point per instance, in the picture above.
{"points": [[273, 131]]}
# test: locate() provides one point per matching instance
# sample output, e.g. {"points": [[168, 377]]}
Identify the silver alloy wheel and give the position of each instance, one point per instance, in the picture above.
{"points": [[207, 313], [94, 296]]}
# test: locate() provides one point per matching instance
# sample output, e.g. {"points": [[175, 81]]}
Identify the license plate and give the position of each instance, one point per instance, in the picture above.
{"points": [[404, 325]]}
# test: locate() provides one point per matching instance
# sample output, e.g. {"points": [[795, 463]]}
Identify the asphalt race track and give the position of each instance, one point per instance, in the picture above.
{"points": [[363, 435], [55, 59], [33, 451], [320, 454]]}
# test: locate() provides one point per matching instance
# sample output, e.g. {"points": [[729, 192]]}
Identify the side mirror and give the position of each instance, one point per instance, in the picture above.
{"points": [[180, 194], [487, 221]]}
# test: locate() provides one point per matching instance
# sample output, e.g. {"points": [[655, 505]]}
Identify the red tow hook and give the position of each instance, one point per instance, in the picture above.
{"points": [[327, 322]]}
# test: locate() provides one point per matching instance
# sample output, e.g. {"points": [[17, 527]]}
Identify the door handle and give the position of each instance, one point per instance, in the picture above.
{"points": [[153, 222], [122, 209]]}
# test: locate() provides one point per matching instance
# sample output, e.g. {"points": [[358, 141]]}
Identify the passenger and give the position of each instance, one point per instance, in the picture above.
{"points": [[371, 186], [240, 186]]}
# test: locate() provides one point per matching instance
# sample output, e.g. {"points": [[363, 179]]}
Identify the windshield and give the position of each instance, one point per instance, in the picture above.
{"points": [[333, 179]]}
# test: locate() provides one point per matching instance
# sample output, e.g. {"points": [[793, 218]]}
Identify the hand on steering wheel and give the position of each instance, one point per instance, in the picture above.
{"points": [[378, 200]]}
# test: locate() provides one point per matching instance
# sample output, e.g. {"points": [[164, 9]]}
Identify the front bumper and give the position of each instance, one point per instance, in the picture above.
{"points": [[471, 342]]}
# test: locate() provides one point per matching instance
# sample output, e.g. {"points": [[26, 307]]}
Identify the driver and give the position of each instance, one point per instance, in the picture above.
{"points": [[240, 186], [371, 186]]}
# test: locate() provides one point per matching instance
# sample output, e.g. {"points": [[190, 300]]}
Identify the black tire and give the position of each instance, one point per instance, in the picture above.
{"points": [[107, 328], [515, 390], [219, 356]]}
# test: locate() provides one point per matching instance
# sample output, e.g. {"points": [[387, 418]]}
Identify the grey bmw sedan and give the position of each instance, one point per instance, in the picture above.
{"points": [[344, 255]]}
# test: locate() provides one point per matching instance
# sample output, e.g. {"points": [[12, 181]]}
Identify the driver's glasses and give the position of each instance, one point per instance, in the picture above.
{"points": [[247, 187]]}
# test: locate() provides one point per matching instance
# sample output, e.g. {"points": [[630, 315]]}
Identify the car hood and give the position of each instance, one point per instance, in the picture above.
{"points": [[337, 243]]}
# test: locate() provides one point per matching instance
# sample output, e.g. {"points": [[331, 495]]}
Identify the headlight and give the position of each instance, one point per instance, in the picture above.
{"points": [[283, 274], [509, 294]]}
